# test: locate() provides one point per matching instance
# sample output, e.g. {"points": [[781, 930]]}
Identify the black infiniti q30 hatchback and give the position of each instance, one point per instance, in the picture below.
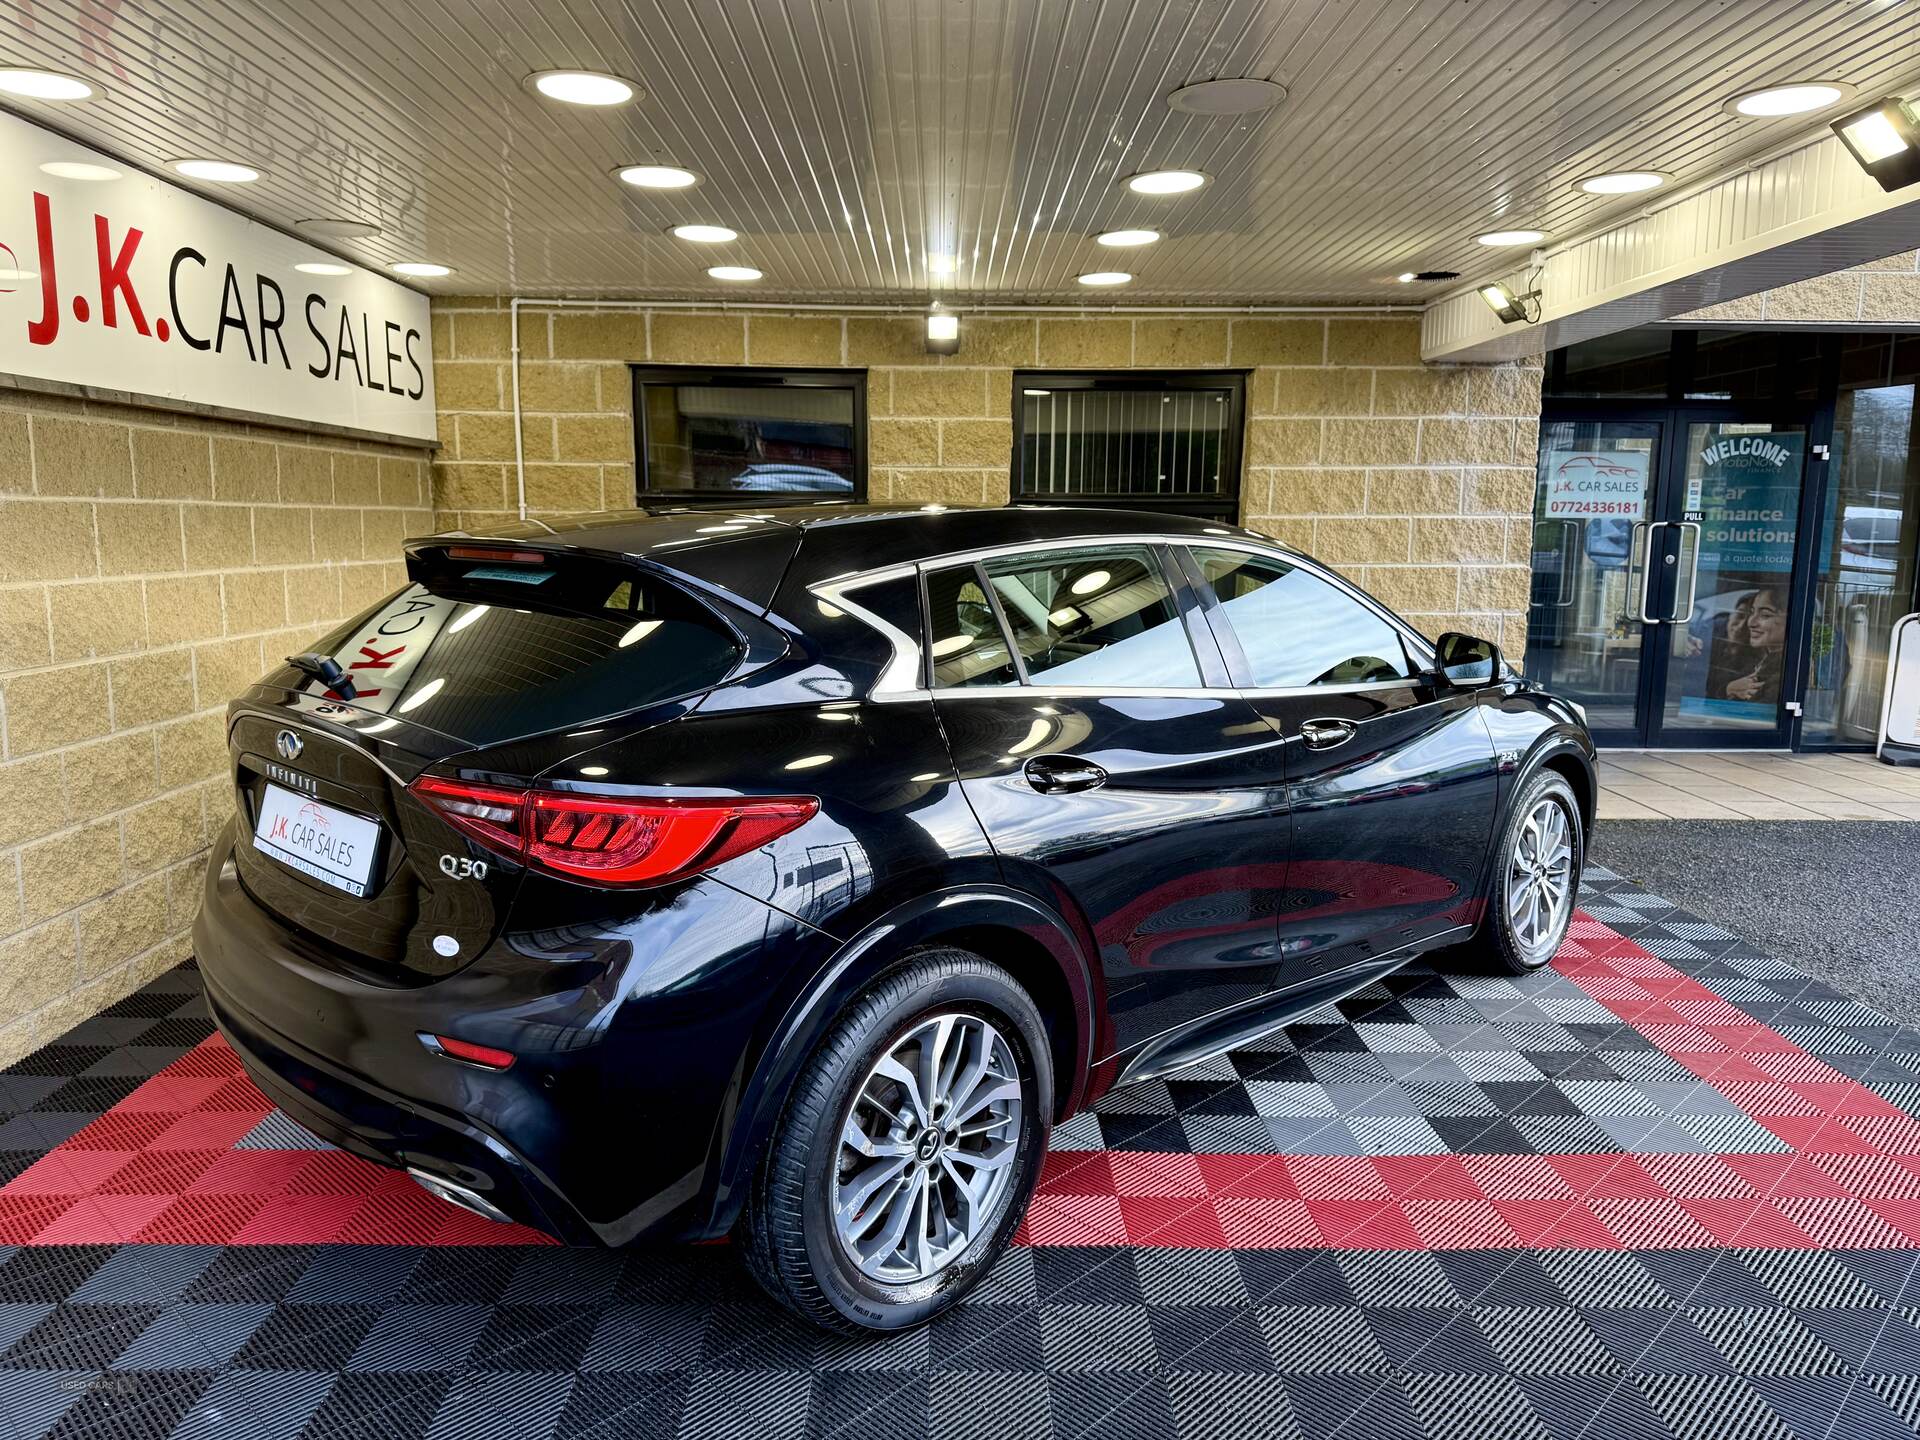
{"points": [[788, 874]]}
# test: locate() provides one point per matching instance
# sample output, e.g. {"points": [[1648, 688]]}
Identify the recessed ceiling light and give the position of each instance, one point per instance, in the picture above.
{"points": [[941, 264], [1166, 182], [1104, 277], [44, 85], [421, 269], [338, 227], [706, 234], [736, 273], [1121, 239], [317, 267], [1623, 182], [656, 177], [78, 170], [1227, 97], [582, 87], [1789, 99], [1406, 277], [222, 171], [1511, 237]]}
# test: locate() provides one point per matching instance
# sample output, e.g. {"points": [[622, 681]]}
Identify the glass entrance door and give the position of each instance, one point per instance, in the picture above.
{"points": [[1663, 564], [1720, 582], [1585, 627]]}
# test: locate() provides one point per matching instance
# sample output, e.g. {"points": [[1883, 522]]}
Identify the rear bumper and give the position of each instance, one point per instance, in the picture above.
{"points": [[356, 1115], [604, 1130]]}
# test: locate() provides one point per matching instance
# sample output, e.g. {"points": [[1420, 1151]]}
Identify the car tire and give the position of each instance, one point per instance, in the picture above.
{"points": [[1511, 938], [984, 1031]]}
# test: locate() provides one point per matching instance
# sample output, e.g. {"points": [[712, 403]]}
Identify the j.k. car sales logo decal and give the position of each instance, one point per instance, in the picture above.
{"points": [[137, 285]]}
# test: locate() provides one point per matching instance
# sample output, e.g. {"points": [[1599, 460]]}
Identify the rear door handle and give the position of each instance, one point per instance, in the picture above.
{"points": [[1062, 774], [1325, 734]]}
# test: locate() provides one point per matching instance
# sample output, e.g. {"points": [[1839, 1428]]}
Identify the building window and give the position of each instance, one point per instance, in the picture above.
{"points": [[771, 436], [1136, 439]]}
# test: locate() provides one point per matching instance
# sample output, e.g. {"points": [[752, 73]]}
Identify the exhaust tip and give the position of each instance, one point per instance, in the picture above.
{"points": [[460, 1195]]}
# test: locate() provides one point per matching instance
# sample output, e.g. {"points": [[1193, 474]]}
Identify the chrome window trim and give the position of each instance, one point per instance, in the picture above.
{"points": [[901, 679]]}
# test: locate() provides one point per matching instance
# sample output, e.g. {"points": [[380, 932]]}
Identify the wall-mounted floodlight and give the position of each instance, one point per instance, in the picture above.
{"points": [[1885, 139], [943, 331], [1511, 308]]}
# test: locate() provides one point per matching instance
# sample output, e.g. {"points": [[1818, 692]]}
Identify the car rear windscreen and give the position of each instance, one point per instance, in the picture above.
{"points": [[488, 651]]}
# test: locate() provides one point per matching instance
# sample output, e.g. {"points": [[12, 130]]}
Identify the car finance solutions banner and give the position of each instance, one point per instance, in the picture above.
{"points": [[1744, 493], [136, 285]]}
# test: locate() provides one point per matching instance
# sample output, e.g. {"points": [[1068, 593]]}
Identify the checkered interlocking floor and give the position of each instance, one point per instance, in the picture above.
{"points": [[1670, 1188]]}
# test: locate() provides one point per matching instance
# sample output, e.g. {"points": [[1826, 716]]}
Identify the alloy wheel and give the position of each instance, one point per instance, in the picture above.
{"points": [[927, 1148], [1540, 879]]}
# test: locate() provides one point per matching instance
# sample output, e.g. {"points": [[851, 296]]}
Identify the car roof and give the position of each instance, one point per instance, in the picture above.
{"points": [[880, 534]]}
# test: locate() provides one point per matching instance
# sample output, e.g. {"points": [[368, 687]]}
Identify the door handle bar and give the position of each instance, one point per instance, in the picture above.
{"points": [[1643, 614], [1569, 551], [1679, 615]]}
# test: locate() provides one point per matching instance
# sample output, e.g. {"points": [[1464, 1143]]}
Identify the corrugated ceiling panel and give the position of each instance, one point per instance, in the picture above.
{"points": [[848, 139]]}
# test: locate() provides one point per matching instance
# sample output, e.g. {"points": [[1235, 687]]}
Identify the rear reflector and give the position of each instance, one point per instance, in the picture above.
{"points": [[607, 840], [468, 1051]]}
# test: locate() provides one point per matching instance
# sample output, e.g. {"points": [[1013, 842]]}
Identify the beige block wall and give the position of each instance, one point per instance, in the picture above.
{"points": [[1882, 292], [151, 566], [1416, 480]]}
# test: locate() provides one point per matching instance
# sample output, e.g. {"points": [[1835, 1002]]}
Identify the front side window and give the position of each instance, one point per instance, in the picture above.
{"points": [[1104, 618], [1296, 629]]}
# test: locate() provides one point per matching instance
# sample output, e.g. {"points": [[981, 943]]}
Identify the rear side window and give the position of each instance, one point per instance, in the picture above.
{"points": [[964, 637], [1100, 617], [1295, 629], [486, 651]]}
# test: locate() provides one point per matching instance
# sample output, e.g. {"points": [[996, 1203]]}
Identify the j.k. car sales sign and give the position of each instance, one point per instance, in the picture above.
{"points": [[136, 285]]}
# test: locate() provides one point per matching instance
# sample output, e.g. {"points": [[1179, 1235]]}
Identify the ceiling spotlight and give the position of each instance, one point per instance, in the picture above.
{"points": [[1227, 97], [656, 177], [1788, 99], [1104, 277], [1123, 239], [421, 269], [941, 264], [44, 85], [706, 234], [1406, 277], [318, 267], [582, 87], [1624, 182], [1885, 139], [1507, 305], [78, 170], [338, 228], [735, 273], [224, 172], [943, 331], [1166, 182], [1511, 237]]}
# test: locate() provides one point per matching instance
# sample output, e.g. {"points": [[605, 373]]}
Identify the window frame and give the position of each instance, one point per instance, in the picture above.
{"points": [[747, 377], [1226, 505], [1421, 656]]}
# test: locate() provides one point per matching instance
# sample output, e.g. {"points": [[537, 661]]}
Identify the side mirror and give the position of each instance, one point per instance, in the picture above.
{"points": [[1468, 662]]}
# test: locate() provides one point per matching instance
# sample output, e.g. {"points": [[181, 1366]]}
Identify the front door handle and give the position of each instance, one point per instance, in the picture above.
{"points": [[1325, 734], [1062, 774]]}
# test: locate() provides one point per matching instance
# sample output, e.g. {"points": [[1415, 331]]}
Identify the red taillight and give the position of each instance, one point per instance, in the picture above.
{"points": [[468, 1051], [608, 840]]}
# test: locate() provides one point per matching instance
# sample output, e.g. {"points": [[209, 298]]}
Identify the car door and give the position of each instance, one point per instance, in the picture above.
{"points": [[1391, 776], [1114, 769]]}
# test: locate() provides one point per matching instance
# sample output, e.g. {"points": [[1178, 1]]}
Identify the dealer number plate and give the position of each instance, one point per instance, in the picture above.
{"points": [[318, 840]]}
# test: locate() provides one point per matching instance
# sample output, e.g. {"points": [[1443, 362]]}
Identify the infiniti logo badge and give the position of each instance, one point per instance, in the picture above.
{"points": [[288, 744]]}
